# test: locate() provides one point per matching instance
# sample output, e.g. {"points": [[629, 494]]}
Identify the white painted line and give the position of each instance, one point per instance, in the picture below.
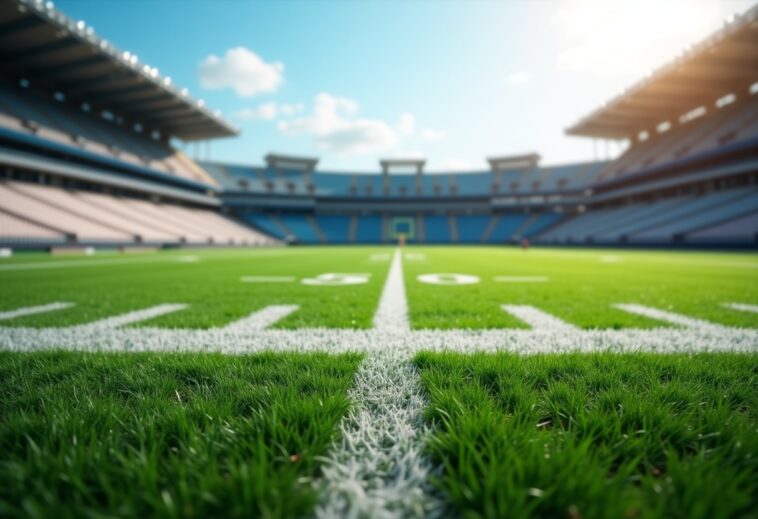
{"points": [[537, 319], [261, 319], [188, 259], [525, 342], [521, 279], [448, 279], [42, 265], [669, 317], [415, 256], [742, 307], [392, 313], [609, 259], [376, 468], [381, 256], [267, 279], [133, 317], [31, 310]]}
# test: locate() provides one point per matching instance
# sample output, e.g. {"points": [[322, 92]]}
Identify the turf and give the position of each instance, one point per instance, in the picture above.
{"points": [[106, 285], [124, 435], [582, 285], [595, 435]]}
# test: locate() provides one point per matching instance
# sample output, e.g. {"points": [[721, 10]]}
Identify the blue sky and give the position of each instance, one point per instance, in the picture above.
{"points": [[453, 81]]}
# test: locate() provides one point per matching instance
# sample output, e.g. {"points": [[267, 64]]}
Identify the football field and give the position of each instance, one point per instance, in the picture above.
{"points": [[380, 382]]}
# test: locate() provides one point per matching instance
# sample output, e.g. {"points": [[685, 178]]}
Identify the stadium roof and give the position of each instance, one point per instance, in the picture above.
{"points": [[50, 50], [724, 63]]}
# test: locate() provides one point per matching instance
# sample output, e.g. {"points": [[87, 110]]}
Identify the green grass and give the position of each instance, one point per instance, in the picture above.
{"points": [[581, 286], [191, 435], [580, 290], [595, 435], [211, 286]]}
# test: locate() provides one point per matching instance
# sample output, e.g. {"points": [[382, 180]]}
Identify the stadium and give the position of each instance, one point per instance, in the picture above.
{"points": [[187, 336]]}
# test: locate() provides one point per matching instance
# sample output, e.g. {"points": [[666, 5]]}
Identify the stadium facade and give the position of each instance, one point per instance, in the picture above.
{"points": [[86, 159]]}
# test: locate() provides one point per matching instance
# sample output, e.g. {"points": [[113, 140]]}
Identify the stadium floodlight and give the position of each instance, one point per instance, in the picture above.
{"points": [[49, 6], [200, 103], [167, 81], [80, 25], [184, 92]]}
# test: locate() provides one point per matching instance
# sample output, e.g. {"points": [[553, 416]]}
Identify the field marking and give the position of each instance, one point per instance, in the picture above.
{"points": [[380, 257], [669, 317], [392, 313], [448, 279], [261, 319], [610, 258], [414, 256], [89, 263], [133, 317], [335, 279], [742, 307], [376, 468], [31, 310], [537, 319], [188, 259], [526, 342], [521, 279], [268, 279]]}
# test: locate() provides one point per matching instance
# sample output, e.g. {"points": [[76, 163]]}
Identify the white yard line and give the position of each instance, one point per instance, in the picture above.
{"points": [[392, 314], [221, 340], [133, 317], [520, 279], [742, 307], [261, 319], [537, 319], [267, 279], [31, 310], [376, 468], [669, 317], [90, 263]]}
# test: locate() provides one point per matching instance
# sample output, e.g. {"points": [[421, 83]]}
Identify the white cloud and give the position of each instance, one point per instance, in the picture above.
{"points": [[358, 137], [291, 109], [334, 128], [406, 125], [242, 70], [430, 135], [265, 112], [519, 78]]}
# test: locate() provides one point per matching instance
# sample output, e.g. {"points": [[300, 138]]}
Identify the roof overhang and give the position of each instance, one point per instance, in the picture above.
{"points": [[508, 162], [724, 63], [55, 53], [277, 160]]}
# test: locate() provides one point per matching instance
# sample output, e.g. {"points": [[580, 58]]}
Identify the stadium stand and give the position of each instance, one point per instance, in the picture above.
{"points": [[437, 229], [88, 156], [471, 228]]}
